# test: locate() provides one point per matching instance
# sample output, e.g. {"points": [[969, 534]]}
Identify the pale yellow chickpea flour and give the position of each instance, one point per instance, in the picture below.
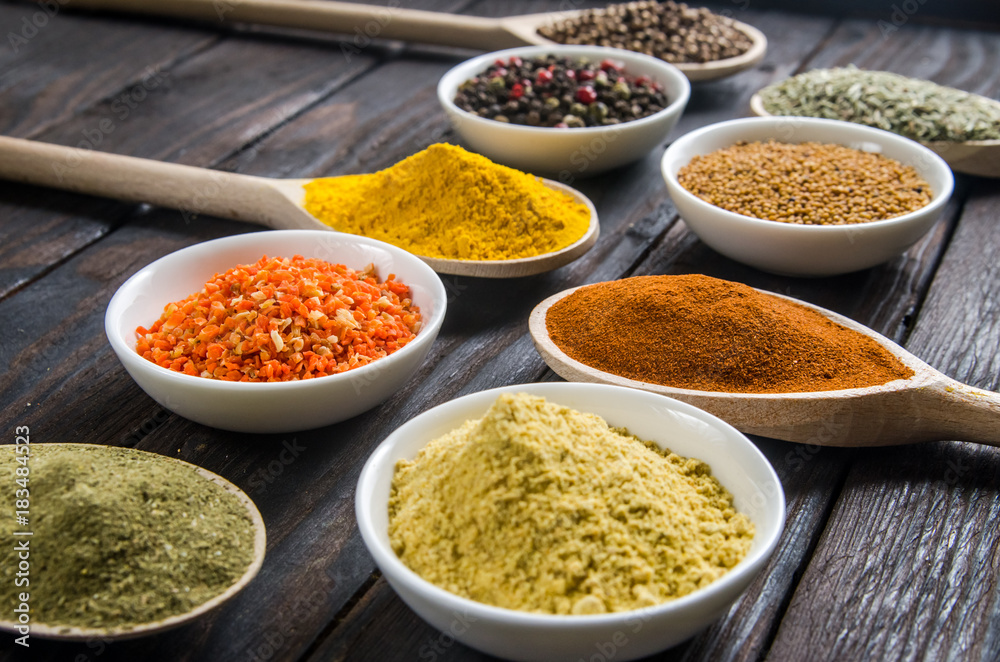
{"points": [[541, 508]]}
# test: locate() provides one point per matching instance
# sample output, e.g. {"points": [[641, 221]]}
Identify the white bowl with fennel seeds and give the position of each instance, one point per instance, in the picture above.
{"points": [[796, 249], [961, 127], [566, 154], [127, 543], [523, 635]]}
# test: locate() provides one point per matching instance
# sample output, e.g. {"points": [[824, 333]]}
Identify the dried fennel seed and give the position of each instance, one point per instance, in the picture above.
{"points": [[805, 183], [122, 538], [541, 508], [918, 109], [669, 30]]}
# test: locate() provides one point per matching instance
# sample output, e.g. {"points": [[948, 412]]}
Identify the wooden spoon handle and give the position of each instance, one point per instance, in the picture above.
{"points": [[951, 410], [190, 189], [362, 22]]}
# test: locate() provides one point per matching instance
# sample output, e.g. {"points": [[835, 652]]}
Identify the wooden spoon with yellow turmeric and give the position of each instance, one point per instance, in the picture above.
{"points": [[458, 211]]}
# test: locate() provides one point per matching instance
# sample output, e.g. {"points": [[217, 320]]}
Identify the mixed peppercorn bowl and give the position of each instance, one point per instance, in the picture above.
{"points": [[593, 123]]}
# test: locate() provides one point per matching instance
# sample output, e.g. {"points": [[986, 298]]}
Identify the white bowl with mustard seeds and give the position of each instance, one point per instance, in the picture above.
{"points": [[794, 249], [522, 635], [284, 406], [566, 154]]}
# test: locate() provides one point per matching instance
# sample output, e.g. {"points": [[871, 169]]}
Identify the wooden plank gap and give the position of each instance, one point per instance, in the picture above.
{"points": [[818, 48], [342, 614], [824, 518], [128, 85], [953, 212], [253, 143]]}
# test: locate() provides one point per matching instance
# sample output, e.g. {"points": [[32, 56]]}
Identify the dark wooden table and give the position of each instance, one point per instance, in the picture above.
{"points": [[888, 553]]}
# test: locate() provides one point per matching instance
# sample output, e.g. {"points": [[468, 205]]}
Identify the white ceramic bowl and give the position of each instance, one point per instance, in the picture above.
{"points": [[805, 250], [566, 154], [270, 406], [517, 635]]}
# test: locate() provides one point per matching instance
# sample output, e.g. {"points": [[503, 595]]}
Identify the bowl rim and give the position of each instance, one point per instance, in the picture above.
{"points": [[123, 296], [878, 136], [395, 570], [449, 82]]}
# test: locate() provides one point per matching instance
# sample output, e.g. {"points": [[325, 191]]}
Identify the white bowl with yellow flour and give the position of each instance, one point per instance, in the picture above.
{"points": [[531, 635]]}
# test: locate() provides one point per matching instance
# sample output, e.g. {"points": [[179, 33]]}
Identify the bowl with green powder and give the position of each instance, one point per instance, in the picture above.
{"points": [[557, 521], [961, 127], [121, 543]]}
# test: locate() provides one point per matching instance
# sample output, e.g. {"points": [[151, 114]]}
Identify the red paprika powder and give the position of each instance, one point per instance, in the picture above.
{"points": [[707, 334]]}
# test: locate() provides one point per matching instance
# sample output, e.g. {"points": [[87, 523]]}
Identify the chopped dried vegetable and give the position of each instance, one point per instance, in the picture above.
{"points": [[282, 319]]}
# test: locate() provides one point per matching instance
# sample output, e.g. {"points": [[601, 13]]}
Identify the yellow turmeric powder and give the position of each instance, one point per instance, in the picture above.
{"points": [[445, 202]]}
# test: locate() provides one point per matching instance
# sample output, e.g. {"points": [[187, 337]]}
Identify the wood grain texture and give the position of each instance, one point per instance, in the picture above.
{"points": [[911, 550], [907, 565], [50, 71], [280, 104]]}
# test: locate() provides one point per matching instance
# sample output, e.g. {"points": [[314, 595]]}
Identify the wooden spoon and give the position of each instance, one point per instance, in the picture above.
{"points": [[365, 22], [972, 157], [926, 407], [276, 203], [112, 632]]}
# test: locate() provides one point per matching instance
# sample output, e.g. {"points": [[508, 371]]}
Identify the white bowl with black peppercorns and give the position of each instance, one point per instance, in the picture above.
{"points": [[804, 196], [582, 111]]}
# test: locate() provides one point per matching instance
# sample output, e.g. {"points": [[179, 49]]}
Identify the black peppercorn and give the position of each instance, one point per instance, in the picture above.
{"points": [[669, 30]]}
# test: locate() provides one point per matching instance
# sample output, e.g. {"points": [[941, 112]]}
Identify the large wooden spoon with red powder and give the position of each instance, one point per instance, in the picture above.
{"points": [[927, 406]]}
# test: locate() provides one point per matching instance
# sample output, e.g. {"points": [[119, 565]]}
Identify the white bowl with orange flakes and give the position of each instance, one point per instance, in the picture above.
{"points": [[791, 246], [326, 327]]}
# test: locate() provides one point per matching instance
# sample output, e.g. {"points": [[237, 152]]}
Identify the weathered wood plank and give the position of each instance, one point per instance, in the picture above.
{"points": [[199, 110], [906, 566], [55, 63], [315, 596]]}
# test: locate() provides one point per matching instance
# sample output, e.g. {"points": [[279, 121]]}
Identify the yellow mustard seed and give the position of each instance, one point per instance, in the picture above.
{"points": [[805, 183]]}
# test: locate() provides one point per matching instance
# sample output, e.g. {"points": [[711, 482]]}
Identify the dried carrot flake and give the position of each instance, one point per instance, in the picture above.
{"points": [[282, 319]]}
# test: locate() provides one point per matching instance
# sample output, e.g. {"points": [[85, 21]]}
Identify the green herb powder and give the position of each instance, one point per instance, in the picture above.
{"points": [[918, 109], [121, 537]]}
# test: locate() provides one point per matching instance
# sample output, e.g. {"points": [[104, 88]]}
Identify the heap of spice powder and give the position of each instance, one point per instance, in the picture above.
{"points": [[671, 31], [541, 508], [805, 183], [915, 108], [282, 319], [707, 334], [121, 538], [445, 202]]}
